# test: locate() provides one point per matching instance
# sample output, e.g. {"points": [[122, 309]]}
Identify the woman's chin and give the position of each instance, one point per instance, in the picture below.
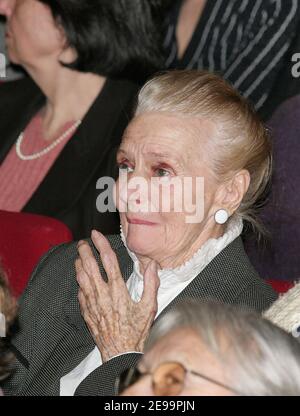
{"points": [[140, 243]]}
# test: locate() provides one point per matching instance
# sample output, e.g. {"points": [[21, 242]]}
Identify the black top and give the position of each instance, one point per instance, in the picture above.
{"points": [[68, 192], [54, 339], [244, 40]]}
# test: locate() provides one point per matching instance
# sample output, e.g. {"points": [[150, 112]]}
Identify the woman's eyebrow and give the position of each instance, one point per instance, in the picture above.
{"points": [[159, 154], [166, 155], [154, 154]]}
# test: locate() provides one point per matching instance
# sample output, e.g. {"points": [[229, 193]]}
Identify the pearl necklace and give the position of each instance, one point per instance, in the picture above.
{"points": [[46, 149]]}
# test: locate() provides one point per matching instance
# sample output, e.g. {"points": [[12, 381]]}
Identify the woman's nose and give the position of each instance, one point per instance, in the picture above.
{"points": [[127, 198], [7, 7], [134, 189]]}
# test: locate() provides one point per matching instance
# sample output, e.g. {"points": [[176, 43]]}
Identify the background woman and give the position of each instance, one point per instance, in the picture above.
{"points": [[60, 127], [245, 41]]}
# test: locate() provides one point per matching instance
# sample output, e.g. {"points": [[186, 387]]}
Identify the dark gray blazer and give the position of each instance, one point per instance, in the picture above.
{"points": [[53, 338]]}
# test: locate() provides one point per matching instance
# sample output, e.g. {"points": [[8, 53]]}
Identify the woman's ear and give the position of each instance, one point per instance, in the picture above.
{"points": [[233, 191], [67, 54]]}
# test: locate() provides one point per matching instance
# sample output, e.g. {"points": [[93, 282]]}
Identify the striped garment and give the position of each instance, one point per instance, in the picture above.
{"points": [[247, 41]]}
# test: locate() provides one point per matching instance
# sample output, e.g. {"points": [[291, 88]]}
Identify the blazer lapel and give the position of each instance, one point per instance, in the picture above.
{"points": [[220, 277]]}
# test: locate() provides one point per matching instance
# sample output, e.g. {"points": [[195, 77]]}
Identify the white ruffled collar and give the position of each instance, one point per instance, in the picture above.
{"points": [[199, 260]]}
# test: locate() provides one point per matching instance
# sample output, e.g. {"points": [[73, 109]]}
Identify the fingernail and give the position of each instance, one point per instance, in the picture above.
{"points": [[96, 234]]}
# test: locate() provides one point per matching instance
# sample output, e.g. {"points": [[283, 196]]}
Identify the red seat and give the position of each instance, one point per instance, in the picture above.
{"points": [[281, 286], [24, 238]]}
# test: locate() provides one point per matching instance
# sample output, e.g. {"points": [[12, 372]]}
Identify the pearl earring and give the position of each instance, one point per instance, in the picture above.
{"points": [[221, 216]]}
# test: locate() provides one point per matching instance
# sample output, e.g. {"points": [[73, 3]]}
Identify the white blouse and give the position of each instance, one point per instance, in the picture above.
{"points": [[172, 282]]}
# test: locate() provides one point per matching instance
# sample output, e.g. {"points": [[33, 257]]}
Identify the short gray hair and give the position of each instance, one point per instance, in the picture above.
{"points": [[263, 360]]}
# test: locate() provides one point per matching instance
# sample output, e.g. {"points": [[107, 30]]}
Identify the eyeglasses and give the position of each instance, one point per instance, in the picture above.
{"points": [[168, 379]]}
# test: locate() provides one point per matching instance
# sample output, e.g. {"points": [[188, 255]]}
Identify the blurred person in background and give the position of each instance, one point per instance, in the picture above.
{"points": [[212, 349], [255, 45], [60, 127], [277, 258], [246, 41]]}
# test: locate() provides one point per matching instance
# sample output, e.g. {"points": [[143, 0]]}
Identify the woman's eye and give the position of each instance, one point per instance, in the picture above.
{"points": [[162, 172], [125, 167]]}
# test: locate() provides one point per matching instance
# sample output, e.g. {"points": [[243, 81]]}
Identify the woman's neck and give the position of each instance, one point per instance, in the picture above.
{"points": [[69, 95], [190, 14]]}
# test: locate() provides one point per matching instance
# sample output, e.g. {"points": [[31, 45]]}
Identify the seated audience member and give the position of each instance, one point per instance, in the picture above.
{"points": [[279, 257], [60, 127], [210, 349], [285, 312], [245, 41], [7, 311], [187, 125]]}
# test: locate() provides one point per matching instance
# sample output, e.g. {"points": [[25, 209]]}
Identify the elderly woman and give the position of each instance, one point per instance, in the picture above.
{"points": [[60, 127], [211, 349], [188, 126]]}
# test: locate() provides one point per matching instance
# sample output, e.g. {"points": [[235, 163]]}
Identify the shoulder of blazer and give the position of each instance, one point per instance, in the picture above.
{"points": [[53, 283], [230, 278]]}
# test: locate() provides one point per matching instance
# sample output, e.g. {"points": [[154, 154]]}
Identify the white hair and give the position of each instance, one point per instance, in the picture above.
{"points": [[241, 142], [260, 358]]}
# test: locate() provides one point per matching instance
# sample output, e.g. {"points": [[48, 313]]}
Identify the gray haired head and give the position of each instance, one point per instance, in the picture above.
{"points": [[259, 358]]}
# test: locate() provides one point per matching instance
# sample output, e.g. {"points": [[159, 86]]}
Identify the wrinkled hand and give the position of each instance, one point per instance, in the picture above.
{"points": [[116, 323]]}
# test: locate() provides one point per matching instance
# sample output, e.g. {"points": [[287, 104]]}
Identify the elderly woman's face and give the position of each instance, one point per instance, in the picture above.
{"points": [[31, 33], [185, 347], [166, 147]]}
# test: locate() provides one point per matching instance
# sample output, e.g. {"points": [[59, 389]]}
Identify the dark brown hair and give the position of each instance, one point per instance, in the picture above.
{"points": [[120, 38]]}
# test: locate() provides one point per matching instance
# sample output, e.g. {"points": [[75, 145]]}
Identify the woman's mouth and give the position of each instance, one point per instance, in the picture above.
{"points": [[138, 221]]}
